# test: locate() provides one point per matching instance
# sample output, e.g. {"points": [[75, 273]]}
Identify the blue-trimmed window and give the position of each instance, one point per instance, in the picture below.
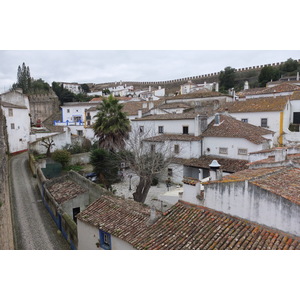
{"points": [[105, 240]]}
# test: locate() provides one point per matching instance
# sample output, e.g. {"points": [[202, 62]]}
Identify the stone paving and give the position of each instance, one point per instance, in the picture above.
{"points": [[154, 194]]}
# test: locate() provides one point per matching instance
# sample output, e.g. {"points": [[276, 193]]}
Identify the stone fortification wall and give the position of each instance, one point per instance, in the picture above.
{"points": [[209, 78], [6, 231], [42, 106]]}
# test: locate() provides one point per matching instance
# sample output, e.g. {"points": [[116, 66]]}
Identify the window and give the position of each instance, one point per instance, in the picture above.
{"points": [[176, 149], [105, 240], [10, 112], [141, 129], [152, 148], [264, 122], [12, 126], [223, 150], [76, 211], [77, 119], [185, 129], [170, 172], [245, 120], [88, 123], [242, 151], [160, 129], [68, 110]]}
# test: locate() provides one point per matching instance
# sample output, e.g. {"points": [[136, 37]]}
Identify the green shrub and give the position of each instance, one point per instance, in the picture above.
{"points": [[61, 156]]}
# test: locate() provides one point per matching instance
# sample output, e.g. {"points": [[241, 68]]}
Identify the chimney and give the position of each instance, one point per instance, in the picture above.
{"points": [[151, 105], [140, 113], [153, 216], [280, 155], [226, 111], [200, 124], [297, 76], [215, 172], [246, 85], [217, 119]]}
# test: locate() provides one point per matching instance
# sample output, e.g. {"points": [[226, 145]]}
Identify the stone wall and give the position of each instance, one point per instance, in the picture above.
{"points": [[175, 83], [6, 231], [42, 106]]}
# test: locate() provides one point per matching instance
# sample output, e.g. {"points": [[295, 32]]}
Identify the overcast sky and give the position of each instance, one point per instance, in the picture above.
{"points": [[98, 66]]}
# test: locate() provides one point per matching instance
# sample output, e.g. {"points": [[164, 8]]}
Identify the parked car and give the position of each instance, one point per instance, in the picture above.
{"points": [[91, 176]]}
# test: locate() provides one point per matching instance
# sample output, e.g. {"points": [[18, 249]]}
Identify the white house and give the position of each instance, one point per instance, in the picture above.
{"points": [[15, 106], [112, 223], [283, 89], [266, 195], [276, 113], [73, 87], [191, 87]]}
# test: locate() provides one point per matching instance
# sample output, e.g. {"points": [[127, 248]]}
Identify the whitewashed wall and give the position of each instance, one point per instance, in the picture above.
{"points": [[232, 144], [60, 140], [247, 201], [81, 201], [18, 137], [254, 118], [88, 236], [170, 126]]}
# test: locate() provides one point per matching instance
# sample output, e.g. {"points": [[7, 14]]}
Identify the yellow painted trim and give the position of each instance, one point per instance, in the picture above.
{"points": [[281, 129]]}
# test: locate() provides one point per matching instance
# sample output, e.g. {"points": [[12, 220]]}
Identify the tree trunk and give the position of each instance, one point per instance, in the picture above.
{"points": [[142, 190]]}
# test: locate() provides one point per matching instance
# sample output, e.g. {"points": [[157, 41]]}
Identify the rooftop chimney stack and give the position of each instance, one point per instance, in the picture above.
{"points": [[200, 124], [217, 119], [215, 172], [280, 155], [246, 85], [140, 113]]}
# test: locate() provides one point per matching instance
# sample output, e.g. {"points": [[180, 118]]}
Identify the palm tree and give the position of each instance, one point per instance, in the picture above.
{"points": [[112, 125]]}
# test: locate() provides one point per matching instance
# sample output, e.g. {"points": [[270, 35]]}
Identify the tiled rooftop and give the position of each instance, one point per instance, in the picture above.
{"points": [[183, 116], [191, 227], [284, 87], [227, 164], [198, 94], [248, 174], [173, 137], [295, 96], [258, 104], [11, 105], [230, 127], [271, 159], [284, 183], [122, 218], [65, 190]]}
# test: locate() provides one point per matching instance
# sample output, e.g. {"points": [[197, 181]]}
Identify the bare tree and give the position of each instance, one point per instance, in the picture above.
{"points": [[48, 144], [147, 158]]}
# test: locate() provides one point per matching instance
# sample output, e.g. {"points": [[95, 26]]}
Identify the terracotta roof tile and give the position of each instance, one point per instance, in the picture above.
{"points": [[230, 127], [295, 96], [248, 174], [182, 116], [11, 105], [284, 87], [199, 94], [173, 137], [227, 164], [122, 218], [65, 190], [284, 183], [190, 227], [258, 104]]}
